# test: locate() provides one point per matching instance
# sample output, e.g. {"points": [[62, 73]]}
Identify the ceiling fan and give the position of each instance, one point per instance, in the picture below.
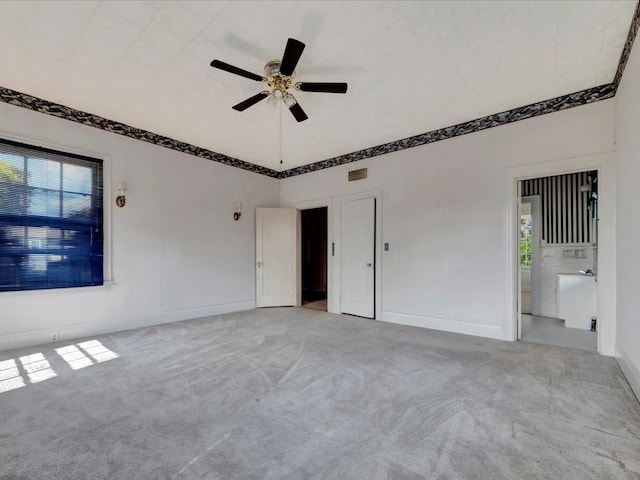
{"points": [[278, 76]]}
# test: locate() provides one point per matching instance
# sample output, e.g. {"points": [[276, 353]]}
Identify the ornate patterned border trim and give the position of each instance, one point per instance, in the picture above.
{"points": [[576, 99], [557, 104], [49, 108], [628, 45]]}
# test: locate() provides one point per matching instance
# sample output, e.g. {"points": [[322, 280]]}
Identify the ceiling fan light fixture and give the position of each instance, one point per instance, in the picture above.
{"points": [[289, 100], [271, 67]]}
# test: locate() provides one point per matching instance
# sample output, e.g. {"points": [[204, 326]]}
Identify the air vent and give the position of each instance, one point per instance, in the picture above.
{"points": [[359, 174]]}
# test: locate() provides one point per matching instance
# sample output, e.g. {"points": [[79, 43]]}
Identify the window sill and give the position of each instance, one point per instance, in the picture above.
{"points": [[58, 291]]}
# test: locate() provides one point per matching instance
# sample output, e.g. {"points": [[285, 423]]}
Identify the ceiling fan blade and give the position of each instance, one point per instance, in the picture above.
{"points": [[249, 102], [291, 55], [322, 87], [238, 71], [297, 112]]}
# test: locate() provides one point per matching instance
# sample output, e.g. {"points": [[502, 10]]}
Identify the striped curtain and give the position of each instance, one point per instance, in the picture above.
{"points": [[566, 211]]}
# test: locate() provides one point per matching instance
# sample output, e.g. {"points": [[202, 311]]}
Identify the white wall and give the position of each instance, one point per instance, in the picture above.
{"points": [[628, 226], [443, 214], [177, 253]]}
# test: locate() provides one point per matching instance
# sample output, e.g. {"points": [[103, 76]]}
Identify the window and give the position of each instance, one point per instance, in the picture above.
{"points": [[51, 218], [525, 239]]}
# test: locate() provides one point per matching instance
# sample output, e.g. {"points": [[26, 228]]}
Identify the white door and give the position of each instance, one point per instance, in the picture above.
{"points": [[357, 257], [276, 256]]}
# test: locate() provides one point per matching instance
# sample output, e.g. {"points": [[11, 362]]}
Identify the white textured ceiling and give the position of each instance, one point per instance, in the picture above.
{"points": [[411, 67]]}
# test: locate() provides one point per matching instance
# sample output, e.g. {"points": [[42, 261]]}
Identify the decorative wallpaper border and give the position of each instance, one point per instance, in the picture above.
{"points": [[49, 108], [557, 104], [582, 97], [626, 51]]}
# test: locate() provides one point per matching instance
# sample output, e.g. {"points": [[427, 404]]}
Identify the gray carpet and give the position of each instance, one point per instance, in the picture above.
{"points": [[300, 394]]}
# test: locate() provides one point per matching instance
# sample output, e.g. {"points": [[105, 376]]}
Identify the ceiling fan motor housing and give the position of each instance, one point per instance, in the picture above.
{"points": [[276, 80]]}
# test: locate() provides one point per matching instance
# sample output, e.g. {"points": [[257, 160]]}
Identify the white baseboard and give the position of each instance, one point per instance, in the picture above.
{"points": [[190, 313], [629, 369], [454, 326], [72, 332]]}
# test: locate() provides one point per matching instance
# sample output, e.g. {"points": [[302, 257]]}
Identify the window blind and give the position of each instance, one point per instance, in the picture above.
{"points": [[51, 218]]}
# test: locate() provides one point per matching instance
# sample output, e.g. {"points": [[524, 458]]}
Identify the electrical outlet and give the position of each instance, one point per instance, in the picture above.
{"points": [[55, 336]]}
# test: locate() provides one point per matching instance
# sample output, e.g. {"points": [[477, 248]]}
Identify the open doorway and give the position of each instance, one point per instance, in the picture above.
{"points": [[313, 261], [557, 228]]}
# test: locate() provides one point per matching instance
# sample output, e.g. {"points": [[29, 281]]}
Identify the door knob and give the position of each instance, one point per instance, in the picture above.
{"points": [[259, 264], [369, 264]]}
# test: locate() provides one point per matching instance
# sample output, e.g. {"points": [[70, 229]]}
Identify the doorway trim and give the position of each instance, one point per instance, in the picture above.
{"points": [[300, 252], [308, 205], [604, 164], [333, 246]]}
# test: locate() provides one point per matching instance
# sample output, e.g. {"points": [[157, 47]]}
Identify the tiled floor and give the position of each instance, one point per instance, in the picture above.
{"points": [[551, 331], [525, 298]]}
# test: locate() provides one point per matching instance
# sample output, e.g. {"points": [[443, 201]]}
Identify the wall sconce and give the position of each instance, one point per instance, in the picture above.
{"points": [[121, 199], [237, 211]]}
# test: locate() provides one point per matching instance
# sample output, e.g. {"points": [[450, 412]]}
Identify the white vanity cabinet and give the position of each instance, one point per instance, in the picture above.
{"points": [[577, 300]]}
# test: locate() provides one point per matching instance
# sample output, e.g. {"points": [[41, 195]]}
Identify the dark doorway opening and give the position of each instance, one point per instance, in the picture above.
{"points": [[314, 257]]}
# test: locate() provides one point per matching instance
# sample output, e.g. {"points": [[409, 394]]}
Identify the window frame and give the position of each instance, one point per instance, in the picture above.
{"points": [[105, 180], [524, 240]]}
